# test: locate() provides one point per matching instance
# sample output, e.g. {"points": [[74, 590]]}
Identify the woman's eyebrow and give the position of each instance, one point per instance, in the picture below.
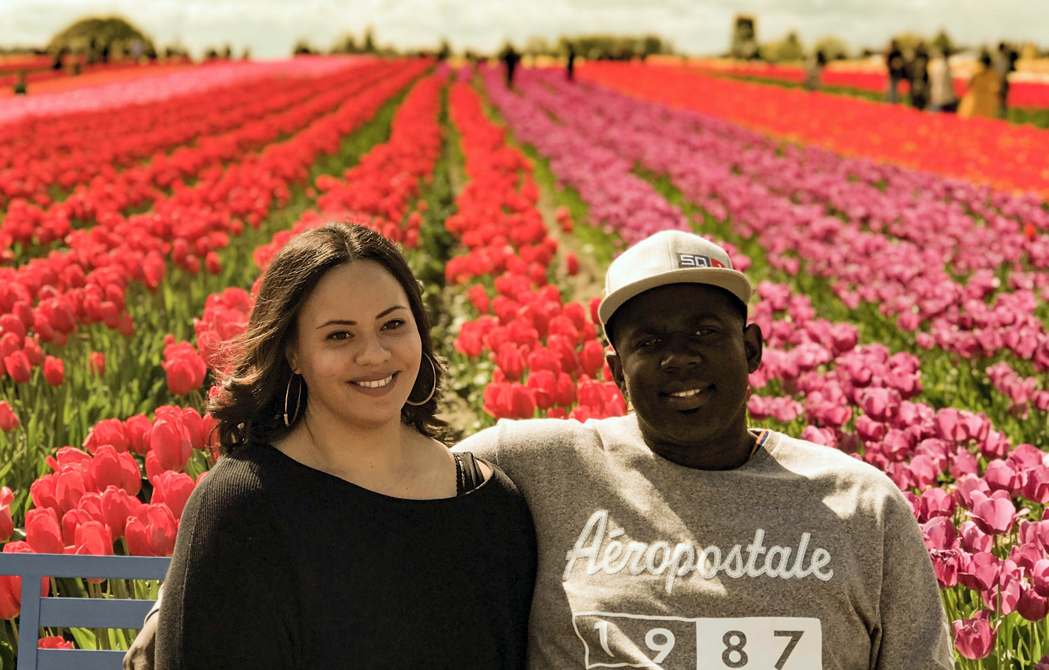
{"points": [[347, 322]]}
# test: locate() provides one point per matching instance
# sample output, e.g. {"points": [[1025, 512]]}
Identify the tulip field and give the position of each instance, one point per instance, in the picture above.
{"points": [[901, 287]]}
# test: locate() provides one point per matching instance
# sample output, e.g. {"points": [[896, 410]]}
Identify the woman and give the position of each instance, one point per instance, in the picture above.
{"points": [[336, 531]]}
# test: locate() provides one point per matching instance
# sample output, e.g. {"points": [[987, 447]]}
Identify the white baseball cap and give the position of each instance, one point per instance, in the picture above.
{"points": [[669, 257]]}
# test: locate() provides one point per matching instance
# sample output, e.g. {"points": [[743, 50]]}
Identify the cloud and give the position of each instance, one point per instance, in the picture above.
{"points": [[271, 27]]}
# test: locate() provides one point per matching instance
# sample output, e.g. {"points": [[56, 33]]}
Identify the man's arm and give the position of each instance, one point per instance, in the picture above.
{"points": [[914, 632]]}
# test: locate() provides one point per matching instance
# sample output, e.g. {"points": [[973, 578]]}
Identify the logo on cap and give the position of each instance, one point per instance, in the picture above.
{"points": [[697, 261]]}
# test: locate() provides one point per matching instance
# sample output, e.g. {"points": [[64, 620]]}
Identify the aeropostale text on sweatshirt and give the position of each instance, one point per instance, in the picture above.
{"points": [[599, 545]]}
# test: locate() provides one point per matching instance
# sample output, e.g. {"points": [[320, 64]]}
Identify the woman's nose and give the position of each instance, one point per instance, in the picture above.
{"points": [[373, 352]]}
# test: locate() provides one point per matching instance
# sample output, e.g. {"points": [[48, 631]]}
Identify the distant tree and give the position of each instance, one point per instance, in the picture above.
{"points": [[833, 48], [211, 53], [302, 47], [98, 37], [246, 54], [369, 41], [789, 48], [345, 45], [908, 41], [444, 51], [227, 51], [943, 42]]}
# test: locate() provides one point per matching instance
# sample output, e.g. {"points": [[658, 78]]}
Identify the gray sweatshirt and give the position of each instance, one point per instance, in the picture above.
{"points": [[803, 558]]}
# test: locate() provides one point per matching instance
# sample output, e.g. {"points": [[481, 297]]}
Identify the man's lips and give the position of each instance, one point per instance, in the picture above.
{"points": [[684, 396]]}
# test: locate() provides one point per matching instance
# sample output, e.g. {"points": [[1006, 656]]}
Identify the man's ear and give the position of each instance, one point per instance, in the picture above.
{"points": [[752, 346], [616, 366]]}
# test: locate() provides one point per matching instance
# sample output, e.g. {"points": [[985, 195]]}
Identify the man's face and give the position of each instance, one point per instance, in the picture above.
{"points": [[683, 353]]}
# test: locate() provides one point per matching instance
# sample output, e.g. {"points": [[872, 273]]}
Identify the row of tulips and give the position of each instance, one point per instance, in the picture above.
{"points": [[135, 91], [241, 130], [84, 286], [94, 500], [376, 192], [72, 148], [909, 280], [980, 150], [51, 296], [545, 354], [816, 380]]}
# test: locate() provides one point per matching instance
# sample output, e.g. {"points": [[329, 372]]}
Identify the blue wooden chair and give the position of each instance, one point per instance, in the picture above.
{"points": [[76, 612]]}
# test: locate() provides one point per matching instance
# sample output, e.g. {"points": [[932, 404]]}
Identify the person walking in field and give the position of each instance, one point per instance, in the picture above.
{"points": [[896, 68], [941, 83], [1005, 64], [982, 97], [813, 69], [918, 71]]}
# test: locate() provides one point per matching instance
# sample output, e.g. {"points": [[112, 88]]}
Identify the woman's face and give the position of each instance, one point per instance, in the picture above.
{"points": [[358, 347]]}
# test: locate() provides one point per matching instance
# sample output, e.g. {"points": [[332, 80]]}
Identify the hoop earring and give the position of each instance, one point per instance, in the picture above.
{"points": [[298, 397], [433, 390]]}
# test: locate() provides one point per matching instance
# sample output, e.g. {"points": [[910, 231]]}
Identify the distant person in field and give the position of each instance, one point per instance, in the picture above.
{"points": [[982, 98], [896, 66], [919, 77], [941, 83], [510, 59], [570, 67], [1004, 64], [814, 69]]}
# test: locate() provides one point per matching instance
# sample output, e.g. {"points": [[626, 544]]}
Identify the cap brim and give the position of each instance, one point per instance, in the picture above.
{"points": [[733, 281]]}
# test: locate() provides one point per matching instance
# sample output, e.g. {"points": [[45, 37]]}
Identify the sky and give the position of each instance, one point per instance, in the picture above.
{"points": [[270, 28]]}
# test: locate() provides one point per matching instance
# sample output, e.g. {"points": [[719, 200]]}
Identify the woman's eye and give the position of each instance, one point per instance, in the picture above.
{"points": [[393, 325], [339, 335]]}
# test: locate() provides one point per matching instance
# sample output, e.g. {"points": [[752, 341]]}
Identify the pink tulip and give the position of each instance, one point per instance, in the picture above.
{"points": [[1032, 606], [979, 572], [994, 515], [975, 638]]}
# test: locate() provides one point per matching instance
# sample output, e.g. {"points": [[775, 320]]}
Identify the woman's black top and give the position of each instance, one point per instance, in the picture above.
{"points": [[278, 565]]}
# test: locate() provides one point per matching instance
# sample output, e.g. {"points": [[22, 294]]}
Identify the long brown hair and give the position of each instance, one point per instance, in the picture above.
{"points": [[251, 407]]}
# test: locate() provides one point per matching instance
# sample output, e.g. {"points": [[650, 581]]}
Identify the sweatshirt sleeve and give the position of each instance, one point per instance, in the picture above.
{"points": [[228, 597], [914, 632], [483, 445]]}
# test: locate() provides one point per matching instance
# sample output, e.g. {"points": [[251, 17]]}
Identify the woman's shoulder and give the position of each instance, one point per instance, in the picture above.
{"points": [[248, 476]]}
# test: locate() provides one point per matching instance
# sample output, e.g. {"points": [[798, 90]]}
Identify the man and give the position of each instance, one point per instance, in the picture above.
{"points": [[675, 537]]}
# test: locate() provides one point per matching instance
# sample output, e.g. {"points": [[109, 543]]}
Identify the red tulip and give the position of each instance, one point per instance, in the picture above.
{"points": [[138, 429], [509, 359], [170, 445], [11, 587], [172, 489], [975, 638], [8, 419], [151, 532], [94, 538], [54, 371], [7, 525], [97, 363], [107, 431], [117, 506], [43, 532], [54, 642], [18, 367]]}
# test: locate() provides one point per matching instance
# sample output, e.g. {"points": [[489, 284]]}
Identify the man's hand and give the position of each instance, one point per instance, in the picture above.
{"points": [[140, 655]]}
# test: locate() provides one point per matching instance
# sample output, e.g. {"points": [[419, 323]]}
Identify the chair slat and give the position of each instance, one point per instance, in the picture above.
{"points": [[101, 567], [93, 612], [79, 659]]}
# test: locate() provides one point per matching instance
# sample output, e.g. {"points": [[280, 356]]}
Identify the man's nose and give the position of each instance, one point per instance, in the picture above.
{"points": [[681, 353]]}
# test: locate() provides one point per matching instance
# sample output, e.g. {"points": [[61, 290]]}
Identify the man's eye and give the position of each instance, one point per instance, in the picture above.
{"points": [[647, 342]]}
